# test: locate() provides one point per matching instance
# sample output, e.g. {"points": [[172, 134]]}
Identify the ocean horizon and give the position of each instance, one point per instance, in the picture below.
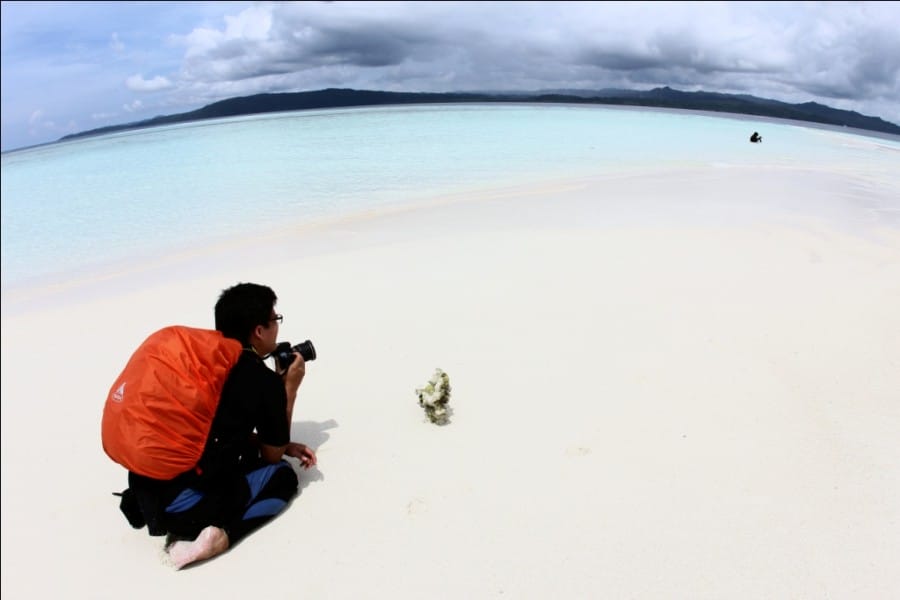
{"points": [[75, 206]]}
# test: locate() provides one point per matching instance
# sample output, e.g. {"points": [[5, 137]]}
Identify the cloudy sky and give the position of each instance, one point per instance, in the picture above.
{"points": [[73, 66]]}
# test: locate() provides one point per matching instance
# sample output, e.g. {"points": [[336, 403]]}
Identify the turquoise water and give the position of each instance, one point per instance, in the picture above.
{"points": [[79, 204]]}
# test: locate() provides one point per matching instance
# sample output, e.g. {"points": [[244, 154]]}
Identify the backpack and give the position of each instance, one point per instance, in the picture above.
{"points": [[160, 409]]}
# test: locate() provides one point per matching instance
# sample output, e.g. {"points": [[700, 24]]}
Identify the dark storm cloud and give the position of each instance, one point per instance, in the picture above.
{"points": [[360, 48]]}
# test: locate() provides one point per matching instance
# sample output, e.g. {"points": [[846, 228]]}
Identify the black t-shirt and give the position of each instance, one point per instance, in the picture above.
{"points": [[253, 399]]}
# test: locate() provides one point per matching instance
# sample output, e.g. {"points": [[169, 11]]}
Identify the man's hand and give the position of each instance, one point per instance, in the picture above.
{"points": [[304, 453], [295, 373]]}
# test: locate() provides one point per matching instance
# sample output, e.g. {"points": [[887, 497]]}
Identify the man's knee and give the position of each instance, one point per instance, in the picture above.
{"points": [[284, 482]]}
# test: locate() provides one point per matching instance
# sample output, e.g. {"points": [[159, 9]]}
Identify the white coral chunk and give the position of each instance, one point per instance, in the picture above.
{"points": [[434, 396]]}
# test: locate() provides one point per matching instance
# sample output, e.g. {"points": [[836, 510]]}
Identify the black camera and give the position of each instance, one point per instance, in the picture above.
{"points": [[284, 353]]}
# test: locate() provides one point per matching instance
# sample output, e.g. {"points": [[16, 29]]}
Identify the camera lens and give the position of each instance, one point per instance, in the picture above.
{"points": [[284, 353], [306, 350]]}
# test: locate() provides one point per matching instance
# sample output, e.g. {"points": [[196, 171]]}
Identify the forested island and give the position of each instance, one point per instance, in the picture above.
{"points": [[664, 97]]}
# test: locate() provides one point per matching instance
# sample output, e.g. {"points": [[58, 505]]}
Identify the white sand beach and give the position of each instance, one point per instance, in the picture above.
{"points": [[680, 384]]}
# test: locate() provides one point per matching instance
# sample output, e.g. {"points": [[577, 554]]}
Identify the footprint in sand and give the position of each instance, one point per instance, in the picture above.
{"points": [[416, 506], [578, 451]]}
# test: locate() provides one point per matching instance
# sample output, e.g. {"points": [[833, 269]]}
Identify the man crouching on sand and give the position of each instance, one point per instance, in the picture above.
{"points": [[241, 481]]}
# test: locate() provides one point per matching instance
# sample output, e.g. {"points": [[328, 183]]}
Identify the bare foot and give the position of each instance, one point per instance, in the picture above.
{"points": [[211, 542]]}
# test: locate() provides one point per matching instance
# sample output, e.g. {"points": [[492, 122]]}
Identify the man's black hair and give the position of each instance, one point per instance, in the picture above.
{"points": [[241, 308]]}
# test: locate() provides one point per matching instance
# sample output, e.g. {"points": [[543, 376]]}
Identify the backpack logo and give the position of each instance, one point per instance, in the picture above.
{"points": [[119, 394]]}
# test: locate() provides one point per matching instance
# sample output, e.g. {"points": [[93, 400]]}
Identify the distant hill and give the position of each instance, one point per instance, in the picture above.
{"points": [[664, 97]]}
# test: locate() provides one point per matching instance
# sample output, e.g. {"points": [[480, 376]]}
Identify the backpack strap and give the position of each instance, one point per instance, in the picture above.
{"points": [[130, 508]]}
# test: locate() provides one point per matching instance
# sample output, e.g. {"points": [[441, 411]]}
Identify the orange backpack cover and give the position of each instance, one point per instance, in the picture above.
{"points": [[159, 411]]}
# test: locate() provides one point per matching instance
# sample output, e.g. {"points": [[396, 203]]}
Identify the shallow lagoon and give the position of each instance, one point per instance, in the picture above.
{"points": [[79, 204]]}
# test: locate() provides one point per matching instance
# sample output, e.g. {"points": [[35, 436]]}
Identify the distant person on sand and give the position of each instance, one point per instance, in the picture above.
{"points": [[755, 138], [241, 480]]}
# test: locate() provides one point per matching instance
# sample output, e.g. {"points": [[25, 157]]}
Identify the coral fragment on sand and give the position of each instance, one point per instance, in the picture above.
{"points": [[435, 396]]}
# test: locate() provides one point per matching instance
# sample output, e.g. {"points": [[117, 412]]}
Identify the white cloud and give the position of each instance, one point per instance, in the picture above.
{"points": [[250, 25], [39, 124], [133, 106], [116, 44], [137, 83]]}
